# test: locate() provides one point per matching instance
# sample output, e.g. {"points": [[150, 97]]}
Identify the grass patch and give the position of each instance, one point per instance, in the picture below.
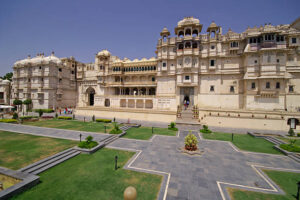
{"points": [[287, 139], [93, 177], [97, 127], [290, 148], [19, 150], [9, 120], [244, 142], [286, 181], [145, 133]]}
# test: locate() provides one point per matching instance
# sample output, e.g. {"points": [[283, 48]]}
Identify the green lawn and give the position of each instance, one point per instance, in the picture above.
{"points": [[93, 177], [145, 133], [244, 142], [19, 150], [290, 138], [286, 180], [73, 125]]}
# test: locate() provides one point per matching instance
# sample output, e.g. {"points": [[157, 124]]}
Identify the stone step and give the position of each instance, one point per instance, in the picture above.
{"points": [[111, 139], [295, 157], [55, 163], [48, 162], [45, 160], [274, 140]]}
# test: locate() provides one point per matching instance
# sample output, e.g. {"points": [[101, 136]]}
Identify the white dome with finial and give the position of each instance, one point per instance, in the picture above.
{"points": [[104, 53]]}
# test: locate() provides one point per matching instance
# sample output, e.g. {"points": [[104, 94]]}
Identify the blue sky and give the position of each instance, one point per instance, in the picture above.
{"points": [[126, 28]]}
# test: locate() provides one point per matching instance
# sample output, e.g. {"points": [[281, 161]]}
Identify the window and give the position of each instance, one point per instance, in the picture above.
{"points": [[277, 85], [164, 64], [253, 85], [269, 58], [268, 85], [278, 60], [72, 72], [291, 88], [60, 69], [212, 47], [153, 78], [234, 44], [212, 62], [187, 77], [29, 80], [1, 95], [42, 79], [60, 80], [294, 40], [212, 88], [231, 88], [40, 67], [255, 61]]}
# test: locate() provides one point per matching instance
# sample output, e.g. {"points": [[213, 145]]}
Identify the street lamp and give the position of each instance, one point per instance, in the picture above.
{"points": [[116, 162], [104, 129], [298, 193], [80, 136]]}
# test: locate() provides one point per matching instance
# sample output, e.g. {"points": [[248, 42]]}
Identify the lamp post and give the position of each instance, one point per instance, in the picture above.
{"points": [[116, 162], [298, 193], [80, 136]]}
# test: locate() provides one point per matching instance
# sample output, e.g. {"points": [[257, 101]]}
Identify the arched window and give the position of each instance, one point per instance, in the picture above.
{"points": [[135, 69], [187, 45], [180, 34], [180, 46], [195, 45], [195, 33], [151, 68], [154, 67], [188, 32], [143, 68]]}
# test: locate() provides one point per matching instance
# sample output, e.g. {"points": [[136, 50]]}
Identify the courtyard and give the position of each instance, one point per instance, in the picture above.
{"points": [[246, 168]]}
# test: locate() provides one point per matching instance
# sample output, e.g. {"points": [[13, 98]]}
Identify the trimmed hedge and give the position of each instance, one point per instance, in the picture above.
{"points": [[104, 120], [64, 117], [114, 131], [9, 120], [173, 129], [44, 110], [87, 145], [290, 148], [28, 117], [205, 129]]}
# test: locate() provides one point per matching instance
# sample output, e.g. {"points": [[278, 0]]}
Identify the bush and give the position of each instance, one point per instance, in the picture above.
{"points": [[291, 132], [205, 129], [47, 117], [8, 120], [64, 117], [56, 115], [27, 117], [191, 142], [291, 148], [116, 129], [15, 116], [172, 126], [44, 110], [298, 134], [103, 120], [40, 113], [88, 143]]}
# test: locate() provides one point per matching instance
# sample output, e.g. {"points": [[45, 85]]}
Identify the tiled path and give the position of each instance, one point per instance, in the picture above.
{"points": [[185, 176], [205, 176]]}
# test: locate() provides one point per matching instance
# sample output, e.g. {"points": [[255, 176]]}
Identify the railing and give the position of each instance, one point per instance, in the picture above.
{"points": [[132, 96]]}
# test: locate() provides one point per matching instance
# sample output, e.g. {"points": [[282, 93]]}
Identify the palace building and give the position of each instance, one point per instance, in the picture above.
{"points": [[227, 78]]}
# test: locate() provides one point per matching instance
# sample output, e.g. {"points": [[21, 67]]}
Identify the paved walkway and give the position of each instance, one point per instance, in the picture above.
{"points": [[51, 132], [205, 176]]}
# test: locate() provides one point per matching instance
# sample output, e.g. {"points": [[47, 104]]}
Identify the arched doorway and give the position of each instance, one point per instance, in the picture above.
{"points": [[107, 102], [91, 96], [186, 98]]}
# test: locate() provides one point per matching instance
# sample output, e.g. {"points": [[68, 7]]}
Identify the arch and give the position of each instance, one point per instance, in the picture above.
{"points": [[107, 103], [195, 32], [180, 34], [187, 45], [154, 67], [117, 91], [165, 38], [180, 46], [91, 95], [117, 79], [143, 91], [188, 32], [195, 45], [152, 91]]}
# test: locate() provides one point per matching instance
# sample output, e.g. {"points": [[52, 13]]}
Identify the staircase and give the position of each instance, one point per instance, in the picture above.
{"points": [[274, 140], [187, 117], [49, 162]]}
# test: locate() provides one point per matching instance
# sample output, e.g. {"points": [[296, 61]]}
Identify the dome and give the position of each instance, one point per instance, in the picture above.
{"points": [[6, 81], [40, 59], [213, 25], [188, 21], [104, 53], [165, 31]]}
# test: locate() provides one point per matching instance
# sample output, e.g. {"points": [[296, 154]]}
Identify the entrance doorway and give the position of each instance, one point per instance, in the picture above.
{"points": [[187, 95], [91, 96]]}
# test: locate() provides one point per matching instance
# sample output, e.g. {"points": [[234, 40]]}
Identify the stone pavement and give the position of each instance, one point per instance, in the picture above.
{"points": [[205, 176], [51, 132]]}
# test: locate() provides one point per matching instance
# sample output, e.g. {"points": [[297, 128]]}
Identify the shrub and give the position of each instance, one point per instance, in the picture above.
{"points": [[89, 138], [116, 129], [103, 120], [93, 118], [47, 117], [73, 116], [8, 120], [205, 129], [44, 110], [191, 142], [88, 143], [291, 148], [27, 117], [172, 125], [291, 132], [40, 113], [298, 134], [15, 115], [64, 117]]}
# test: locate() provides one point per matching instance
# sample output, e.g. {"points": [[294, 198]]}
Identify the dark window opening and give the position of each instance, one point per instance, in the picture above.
{"points": [[212, 62], [294, 40], [60, 69], [187, 78], [212, 88], [268, 85], [187, 45], [253, 85], [291, 88], [164, 65], [277, 85], [231, 88]]}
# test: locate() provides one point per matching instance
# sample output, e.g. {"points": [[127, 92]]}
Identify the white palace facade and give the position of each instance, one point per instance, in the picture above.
{"points": [[228, 78]]}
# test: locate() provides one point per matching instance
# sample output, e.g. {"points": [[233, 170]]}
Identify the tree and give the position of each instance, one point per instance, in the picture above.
{"points": [[17, 103], [8, 76], [27, 102]]}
